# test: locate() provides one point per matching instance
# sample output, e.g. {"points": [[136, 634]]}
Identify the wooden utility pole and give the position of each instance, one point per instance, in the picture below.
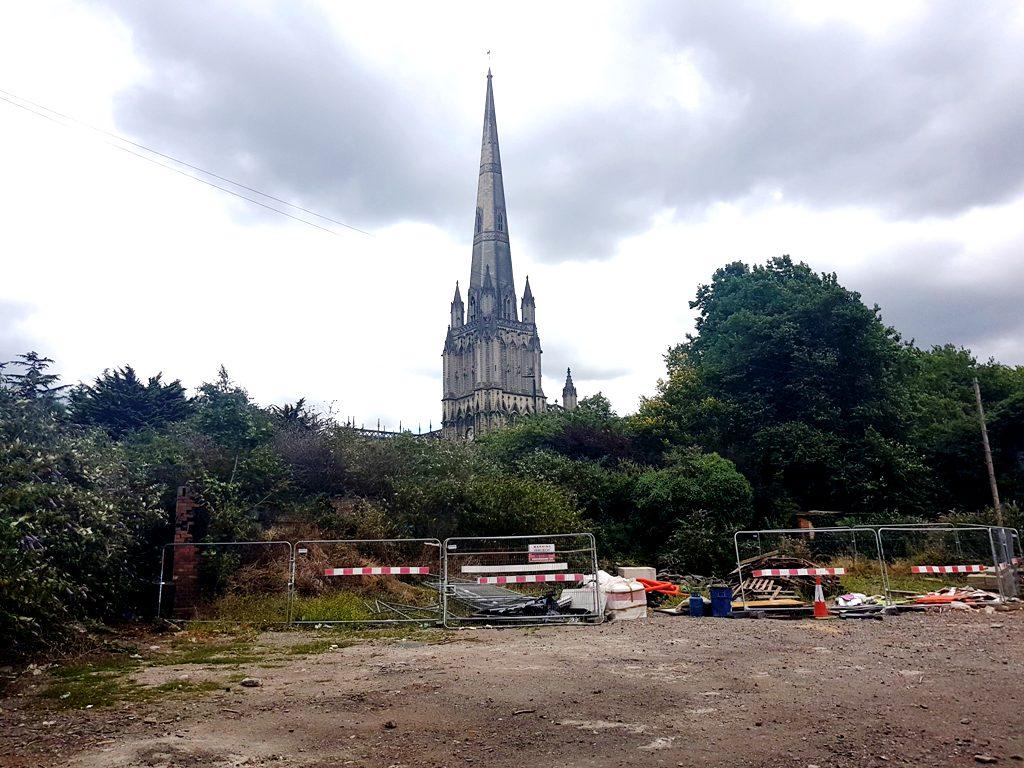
{"points": [[988, 455]]}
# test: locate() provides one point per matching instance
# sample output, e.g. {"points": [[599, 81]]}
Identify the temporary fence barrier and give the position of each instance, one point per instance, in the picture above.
{"points": [[233, 581], [930, 557], [777, 568], [1006, 542], [511, 580], [367, 581]]}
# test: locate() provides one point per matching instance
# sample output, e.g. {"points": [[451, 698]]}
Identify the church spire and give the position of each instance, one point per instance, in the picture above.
{"points": [[569, 392], [458, 309], [490, 237], [529, 307]]}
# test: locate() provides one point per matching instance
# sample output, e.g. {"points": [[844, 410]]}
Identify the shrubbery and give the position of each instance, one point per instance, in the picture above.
{"points": [[792, 395], [78, 522]]}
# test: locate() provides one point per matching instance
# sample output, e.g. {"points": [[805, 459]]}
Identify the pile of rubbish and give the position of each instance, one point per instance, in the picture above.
{"points": [[959, 597], [778, 591], [855, 599], [614, 597]]}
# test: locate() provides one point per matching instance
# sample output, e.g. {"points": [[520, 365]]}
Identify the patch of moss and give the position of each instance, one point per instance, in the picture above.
{"points": [[235, 653], [80, 687], [108, 682], [116, 664]]}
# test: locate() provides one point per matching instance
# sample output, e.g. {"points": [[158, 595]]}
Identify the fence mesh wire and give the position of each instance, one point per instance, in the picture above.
{"points": [[244, 582], [521, 580], [769, 565], [367, 582]]}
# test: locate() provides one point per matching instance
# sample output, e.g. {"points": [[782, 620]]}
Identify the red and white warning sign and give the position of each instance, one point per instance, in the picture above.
{"points": [[542, 553]]}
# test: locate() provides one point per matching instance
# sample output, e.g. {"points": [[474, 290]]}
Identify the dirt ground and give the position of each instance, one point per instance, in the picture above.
{"points": [[922, 690]]}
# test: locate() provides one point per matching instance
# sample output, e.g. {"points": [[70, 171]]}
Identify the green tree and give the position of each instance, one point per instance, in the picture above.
{"points": [[226, 414], [790, 375], [27, 379], [688, 511], [592, 431], [120, 403]]}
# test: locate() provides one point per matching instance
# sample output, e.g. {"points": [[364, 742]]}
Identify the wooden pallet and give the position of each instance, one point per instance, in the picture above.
{"points": [[766, 588]]}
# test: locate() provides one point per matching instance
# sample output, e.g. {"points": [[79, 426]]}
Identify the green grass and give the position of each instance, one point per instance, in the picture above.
{"points": [[337, 606], [256, 610]]}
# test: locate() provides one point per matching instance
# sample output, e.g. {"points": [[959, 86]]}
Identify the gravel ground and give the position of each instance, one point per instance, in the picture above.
{"points": [[922, 690]]}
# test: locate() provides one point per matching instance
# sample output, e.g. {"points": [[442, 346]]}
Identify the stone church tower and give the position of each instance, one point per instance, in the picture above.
{"points": [[492, 353]]}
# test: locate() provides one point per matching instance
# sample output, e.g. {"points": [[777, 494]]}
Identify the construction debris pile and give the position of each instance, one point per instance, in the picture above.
{"points": [[959, 598], [786, 590]]}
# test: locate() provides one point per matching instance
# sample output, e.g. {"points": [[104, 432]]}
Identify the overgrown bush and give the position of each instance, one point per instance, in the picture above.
{"points": [[77, 525]]}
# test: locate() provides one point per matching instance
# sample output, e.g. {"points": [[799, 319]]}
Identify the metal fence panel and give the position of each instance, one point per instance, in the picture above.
{"points": [[521, 580], [932, 557], [367, 581], [234, 581], [777, 568]]}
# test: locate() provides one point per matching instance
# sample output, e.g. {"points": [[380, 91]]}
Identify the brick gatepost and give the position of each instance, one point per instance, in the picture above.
{"points": [[185, 568]]}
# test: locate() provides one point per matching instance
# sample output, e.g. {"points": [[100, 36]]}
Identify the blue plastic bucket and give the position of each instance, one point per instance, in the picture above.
{"points": [[721, 601], [696, 605]]}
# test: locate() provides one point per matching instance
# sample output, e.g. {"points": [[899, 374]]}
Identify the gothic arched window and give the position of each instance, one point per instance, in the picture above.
{"points": [[479, 219]]}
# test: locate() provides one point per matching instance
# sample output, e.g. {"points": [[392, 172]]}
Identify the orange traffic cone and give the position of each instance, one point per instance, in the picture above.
{"points": [[820, 609]]}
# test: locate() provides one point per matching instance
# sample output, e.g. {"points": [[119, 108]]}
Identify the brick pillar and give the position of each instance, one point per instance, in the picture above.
{"points": [[185, 571]]}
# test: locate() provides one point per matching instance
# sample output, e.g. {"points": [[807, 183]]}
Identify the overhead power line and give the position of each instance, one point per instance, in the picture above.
{"points": [[59, 118]]}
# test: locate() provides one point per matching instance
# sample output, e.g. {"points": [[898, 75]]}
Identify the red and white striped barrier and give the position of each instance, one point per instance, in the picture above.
{"points": [[799, 572], [531, 578], [384, 570], [949, 568]]}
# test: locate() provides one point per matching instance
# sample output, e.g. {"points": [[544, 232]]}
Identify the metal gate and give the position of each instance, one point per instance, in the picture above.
{"points": [[235, 581], [521, 580], [367, 581]]}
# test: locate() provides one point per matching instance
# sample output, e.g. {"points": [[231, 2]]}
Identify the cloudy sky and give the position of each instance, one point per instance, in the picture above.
{"points": [[643, 146]]}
